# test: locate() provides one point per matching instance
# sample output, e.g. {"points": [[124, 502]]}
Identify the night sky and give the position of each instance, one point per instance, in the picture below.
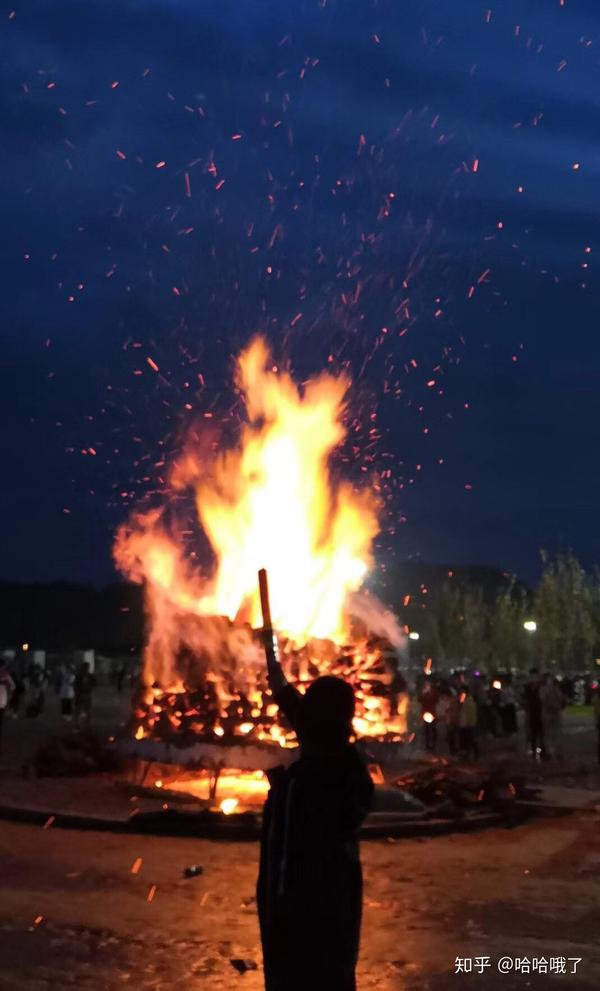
{"points": [[409, 190]]}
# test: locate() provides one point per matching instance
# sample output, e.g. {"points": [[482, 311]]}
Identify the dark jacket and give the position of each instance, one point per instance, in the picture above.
{"points": [[310, 884]]}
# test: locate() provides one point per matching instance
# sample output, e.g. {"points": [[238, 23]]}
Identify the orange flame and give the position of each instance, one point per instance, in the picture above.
{"points": [[270, 502]]}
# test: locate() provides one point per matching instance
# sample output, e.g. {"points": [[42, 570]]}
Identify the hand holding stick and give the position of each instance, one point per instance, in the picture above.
{"points": [[277, 679]]}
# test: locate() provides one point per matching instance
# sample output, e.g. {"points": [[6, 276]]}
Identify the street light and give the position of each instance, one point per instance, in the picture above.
{"points": [[413, 635], [530, 625]]}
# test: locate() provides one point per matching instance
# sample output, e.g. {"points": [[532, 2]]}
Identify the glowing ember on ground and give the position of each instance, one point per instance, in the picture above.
{"points": [[247, 787]]}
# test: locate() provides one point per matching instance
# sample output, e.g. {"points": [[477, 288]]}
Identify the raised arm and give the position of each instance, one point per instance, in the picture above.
{"points": [[285, 695]]}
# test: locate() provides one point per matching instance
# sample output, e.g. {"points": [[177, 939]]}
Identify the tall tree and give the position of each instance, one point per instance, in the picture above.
{"points": [[508, 645], [564, 612]]}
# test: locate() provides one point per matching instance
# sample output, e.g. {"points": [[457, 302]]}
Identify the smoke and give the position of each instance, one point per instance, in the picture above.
{"points": [[377, 618]]}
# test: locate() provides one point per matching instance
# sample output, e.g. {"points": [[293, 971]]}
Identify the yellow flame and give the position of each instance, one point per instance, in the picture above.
{"points": [[270, 502]]}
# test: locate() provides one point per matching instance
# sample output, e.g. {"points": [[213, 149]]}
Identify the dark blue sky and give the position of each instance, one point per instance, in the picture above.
{"points": [[405, 189]]}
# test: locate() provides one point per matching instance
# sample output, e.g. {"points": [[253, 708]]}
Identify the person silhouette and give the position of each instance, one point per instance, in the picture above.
{"points": [[309, 890]]}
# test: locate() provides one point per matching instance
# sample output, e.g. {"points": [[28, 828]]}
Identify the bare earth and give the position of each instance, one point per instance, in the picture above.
{"points": [[531, 891]]}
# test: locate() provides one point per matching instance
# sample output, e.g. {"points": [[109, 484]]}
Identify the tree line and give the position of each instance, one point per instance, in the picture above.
{"points": [[464, 616], [66, 616], [465, 623]]}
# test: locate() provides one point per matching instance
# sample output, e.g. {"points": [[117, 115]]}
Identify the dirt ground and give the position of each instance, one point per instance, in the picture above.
{"points": [[532, 891]]}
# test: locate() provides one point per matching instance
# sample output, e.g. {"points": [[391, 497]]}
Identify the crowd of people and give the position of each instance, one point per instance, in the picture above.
{"points": [[465, 710], [459, 713], [25, 695]]}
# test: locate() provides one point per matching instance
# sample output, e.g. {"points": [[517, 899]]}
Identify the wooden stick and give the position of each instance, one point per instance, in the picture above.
{"points": [[276, 678], [265, 605]]}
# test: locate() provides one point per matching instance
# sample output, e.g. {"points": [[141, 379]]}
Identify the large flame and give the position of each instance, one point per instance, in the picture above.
{"points": [[270, 501]]}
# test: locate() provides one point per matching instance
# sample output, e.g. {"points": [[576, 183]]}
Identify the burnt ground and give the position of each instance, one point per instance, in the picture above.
{"points": [[533, 891]]}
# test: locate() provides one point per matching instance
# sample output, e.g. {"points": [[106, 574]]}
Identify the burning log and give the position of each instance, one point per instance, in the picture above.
{"points": [[203, 670], [205, 700]]}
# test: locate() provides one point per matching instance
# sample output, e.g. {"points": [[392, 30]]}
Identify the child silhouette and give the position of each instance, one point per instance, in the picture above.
{"points": [[309, 890]]}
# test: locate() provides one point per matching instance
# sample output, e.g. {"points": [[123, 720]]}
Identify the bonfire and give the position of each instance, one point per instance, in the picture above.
{"points": [[267, 500]]}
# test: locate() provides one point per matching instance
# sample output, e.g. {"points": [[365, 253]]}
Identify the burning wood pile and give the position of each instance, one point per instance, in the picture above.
{"points": [[268, 500], [208, 707]]}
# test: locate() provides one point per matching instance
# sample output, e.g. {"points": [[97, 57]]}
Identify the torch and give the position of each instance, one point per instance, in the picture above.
{"points": [[269, 638], [265, 605]]}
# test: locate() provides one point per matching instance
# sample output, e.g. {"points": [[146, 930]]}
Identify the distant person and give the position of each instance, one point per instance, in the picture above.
{"points": [[67, 692], [486, 716], [579, 691], [443, 706], [453, 723], [309, 890], [568, 689], [596, 710], [509, 711], [14, 705], [85, 684], [36, 695], [532, 702], [120, 677], [467, 721], [495, 699], [429, 700], [7, 687], [399, 700], [58, 677], [553, 702]]}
